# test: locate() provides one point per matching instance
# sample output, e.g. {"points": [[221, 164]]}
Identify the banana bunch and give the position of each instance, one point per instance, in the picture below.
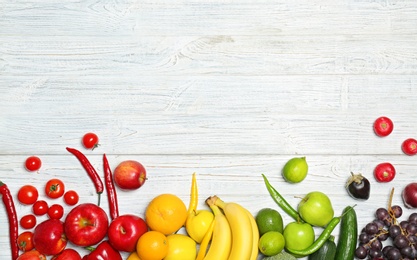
{"points": [[233, 235]]}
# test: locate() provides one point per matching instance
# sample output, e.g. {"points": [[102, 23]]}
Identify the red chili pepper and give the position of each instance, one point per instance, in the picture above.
{"points": [[12, 216], [111, 191], [104, 251], [90, 171]]}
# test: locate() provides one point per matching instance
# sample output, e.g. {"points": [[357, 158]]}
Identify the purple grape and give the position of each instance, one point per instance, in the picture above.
{"points": [[394, 254], [381, 214], [401, 241], [394, 231], [397, 210], [361, 252], [413, 217], [364, 238], [371, 228], [411, 229]]}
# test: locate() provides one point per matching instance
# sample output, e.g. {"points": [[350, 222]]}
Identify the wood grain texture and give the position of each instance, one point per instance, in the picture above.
{"points": [[227, 89]]}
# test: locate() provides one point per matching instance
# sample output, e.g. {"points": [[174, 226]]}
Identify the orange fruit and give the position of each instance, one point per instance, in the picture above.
{"points": [[166, 213], [152, 245], [133, 256]]}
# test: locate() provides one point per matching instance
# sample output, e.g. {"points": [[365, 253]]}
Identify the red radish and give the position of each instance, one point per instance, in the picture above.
{"points": [[383, 126], [409, 195], [384, 172], [409, 146]]}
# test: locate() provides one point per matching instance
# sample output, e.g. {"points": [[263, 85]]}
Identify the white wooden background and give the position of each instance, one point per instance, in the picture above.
{"points": [[227, 89]]}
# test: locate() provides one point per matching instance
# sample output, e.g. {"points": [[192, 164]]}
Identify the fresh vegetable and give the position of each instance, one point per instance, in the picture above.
{"points": [[71, 197], [54, 188], [383, 126], [33, 163], [358, 187], [24, 241], [104, 251], [92, 173], [282, 203], [320, 241], [384, 172], [409, 146], [12, 218], [348, 235], [281, 256], [28, 221], [110, 189], [27, 194], [40, 207], [90, 141], [32, 255], [56, 211], [326, 252], [409, 195]]}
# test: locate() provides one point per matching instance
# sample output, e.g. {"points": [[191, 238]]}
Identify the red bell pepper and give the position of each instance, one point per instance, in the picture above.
{"points": [[104, 251]]}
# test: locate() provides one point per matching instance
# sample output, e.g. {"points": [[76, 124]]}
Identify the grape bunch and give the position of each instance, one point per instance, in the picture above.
{"points": [[400, 236]]}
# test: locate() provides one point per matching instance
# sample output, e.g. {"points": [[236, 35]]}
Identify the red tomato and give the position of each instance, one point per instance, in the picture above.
{"points": [[90, 141], [33, 163], [384, 172], [383, 126], [54, 188], [409, 146], [40, 208], [55, 211], [27, 194], [71, 197], [24, 241], [28, 221]]}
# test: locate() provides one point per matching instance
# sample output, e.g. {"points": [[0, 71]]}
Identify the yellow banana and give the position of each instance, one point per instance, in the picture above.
{"points": [[240, 224], [205, 242], [255, 236], [221, 241]]}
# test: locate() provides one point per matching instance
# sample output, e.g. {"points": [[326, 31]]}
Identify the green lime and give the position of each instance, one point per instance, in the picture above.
{"points": [[295, 170], [271, 243], [269, 219]]}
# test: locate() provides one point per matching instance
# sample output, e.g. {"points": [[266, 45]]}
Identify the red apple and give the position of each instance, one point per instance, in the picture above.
{"points": [[124, 232], [32, 255], [67, 254], [49, 238], [86, 224], [129, 175]]}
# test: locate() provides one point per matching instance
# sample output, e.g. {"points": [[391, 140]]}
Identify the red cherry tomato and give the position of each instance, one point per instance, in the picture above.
{"points": [[54, 188], [24, 241], [33, 163], [27, 194], [55, 211], [383, 126], [409, 146], [90, 141], [28, 221], [40, 208], [384, 172], [71, 197]]}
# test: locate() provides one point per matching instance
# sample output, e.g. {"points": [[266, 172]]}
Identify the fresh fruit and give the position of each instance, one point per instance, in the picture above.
{"points": [[198, 221], [409, 146], [383, 126], [298, 236], [269, 219], [133, 256], [181, 247], [153, 245], [32, 255], [409, 195], [56, 211], [221, 241], [129, 175], [27, 194], [86, 224], [90, 141], [384, 172], [67, 254], [54, 188], [295, 170], [71, 197], [255, 236], [28, 221], [202, 249], [25, 241], [316, 209], [241, 227], [124, 232], [49, 237], [33, 163], [166, 213], [358, 187], [271, 243], [40, 208]]}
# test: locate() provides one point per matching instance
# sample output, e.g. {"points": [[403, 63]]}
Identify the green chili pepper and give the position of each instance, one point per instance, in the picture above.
{"points": [[282, 203], [325, 234]]}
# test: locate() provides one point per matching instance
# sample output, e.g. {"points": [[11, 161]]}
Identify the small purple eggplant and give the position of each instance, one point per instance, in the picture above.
{"points": [[358, 187]]}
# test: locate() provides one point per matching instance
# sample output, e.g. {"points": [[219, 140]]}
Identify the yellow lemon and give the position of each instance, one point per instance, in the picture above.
{"points": [[133, 256], [181, 247]]}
